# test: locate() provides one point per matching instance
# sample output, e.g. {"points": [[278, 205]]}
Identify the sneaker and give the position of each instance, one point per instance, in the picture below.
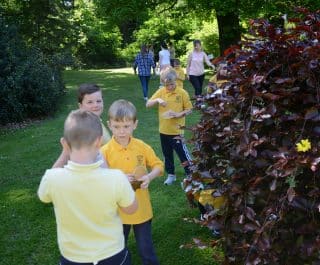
{"points": [[216, 232], [170, 179], [145, 98]]}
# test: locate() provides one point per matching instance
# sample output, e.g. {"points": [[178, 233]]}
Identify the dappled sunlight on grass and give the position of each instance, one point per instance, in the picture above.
{"points": [[18, 195]]}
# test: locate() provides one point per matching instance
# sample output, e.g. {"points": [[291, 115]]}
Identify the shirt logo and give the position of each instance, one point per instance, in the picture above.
{"points": [[178, 99], [139, 160]]}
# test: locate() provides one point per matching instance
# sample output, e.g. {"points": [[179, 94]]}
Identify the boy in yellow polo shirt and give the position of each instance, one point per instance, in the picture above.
{"points": [[180, 73], [133, 157], [173, 105]]}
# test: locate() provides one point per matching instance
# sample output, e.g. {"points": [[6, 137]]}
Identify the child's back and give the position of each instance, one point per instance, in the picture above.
{"points": [[86, 197], [86, 201]]}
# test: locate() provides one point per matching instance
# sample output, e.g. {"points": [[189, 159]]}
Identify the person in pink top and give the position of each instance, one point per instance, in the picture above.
{"points": [[195, 67]]}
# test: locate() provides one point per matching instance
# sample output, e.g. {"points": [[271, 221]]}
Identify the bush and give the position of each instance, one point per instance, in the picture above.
{"points": [[31, 84], [257, 144]]}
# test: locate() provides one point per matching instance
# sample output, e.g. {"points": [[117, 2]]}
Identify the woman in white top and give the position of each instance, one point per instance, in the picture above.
{"points": [[195, 67], [164, 57]]}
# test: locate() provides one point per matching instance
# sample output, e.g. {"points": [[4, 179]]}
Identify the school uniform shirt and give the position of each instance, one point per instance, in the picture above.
{"points": [[217, 81], [135, 154], [180, 76], [177, 100], [86, 199]]}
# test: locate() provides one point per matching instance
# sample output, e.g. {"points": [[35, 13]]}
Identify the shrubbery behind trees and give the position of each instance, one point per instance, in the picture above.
{"points": [[31, 83]]}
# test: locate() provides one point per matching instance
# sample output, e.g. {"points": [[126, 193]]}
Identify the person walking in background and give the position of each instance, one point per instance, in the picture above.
{"points": [[195, 67], [87, 197], [173, 105], [164, 57], [144, 61], [172, 52], [134, 158]]}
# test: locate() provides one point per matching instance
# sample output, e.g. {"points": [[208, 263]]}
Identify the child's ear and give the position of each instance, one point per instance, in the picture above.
{"points": [[66, 147], [98, 142], [135, 124], [108, 123]]}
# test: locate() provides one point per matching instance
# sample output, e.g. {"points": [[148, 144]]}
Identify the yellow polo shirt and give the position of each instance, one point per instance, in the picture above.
{"points": [[217, 81], [136, 154], [177, 100], [180, 76], [86, 199]]}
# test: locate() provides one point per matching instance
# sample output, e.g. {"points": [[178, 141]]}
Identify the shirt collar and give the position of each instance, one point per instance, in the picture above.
{"points": [[83, 167], [119, 147]]}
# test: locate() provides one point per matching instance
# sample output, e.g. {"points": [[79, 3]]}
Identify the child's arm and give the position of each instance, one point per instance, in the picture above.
{"points": [[152, 102], [172, 114], [146, 179], [64, 156], [131, 208]]}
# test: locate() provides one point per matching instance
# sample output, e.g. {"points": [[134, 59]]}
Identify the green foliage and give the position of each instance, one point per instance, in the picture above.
{"points": [[257, 145], [31, 84]]}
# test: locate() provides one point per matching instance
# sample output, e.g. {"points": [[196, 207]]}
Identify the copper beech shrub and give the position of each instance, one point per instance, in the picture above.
{"points": [[257, 144]]}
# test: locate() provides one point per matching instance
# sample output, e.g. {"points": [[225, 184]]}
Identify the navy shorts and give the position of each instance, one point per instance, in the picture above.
{"points": [[121, 258]]}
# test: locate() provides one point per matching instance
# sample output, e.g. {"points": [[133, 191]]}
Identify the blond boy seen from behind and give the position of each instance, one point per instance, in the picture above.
{"points": [[87, 197], [134, 158]]}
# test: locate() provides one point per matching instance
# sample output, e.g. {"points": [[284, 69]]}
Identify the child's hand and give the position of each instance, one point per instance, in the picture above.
{"points": [[130, 177], [145, 181], [162, 102]]}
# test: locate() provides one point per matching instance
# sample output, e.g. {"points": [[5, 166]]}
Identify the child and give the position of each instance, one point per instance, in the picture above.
{"points": [[86, 198], [219, 78], [174, 104], [180, 73], [131, 155], [89, 98]]}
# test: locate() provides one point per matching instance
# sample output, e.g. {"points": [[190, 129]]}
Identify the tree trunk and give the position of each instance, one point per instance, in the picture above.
{"points": [[229, 30]]}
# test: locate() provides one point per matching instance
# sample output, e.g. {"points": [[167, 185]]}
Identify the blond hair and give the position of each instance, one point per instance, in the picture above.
{"points": [[82, 128], [122, 110], [168, 76]]}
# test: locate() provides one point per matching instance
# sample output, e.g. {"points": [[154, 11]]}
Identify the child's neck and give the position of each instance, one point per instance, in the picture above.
{"points": [[84, 156], [123, 142]]}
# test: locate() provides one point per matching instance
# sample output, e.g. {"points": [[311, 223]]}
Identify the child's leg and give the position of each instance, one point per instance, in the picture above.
{"points": [[126, 232], [167, 150], [142, 233], [183, 153]]}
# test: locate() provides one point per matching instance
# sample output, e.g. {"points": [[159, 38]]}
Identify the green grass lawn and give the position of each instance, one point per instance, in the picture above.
{"points": [[28, 229]]}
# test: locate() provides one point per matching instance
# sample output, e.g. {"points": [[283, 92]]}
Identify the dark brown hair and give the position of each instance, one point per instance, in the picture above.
{"points": [[85, 89]]}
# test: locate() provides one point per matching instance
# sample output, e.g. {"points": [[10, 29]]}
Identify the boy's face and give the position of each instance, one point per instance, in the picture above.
{"points": [[93, 103], [122, 130], [170, 86]]}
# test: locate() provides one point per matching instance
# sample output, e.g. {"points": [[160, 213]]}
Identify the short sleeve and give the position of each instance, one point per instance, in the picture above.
{"points": [[186, 101], [157, 94], [44, 189], [152, 160]]}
